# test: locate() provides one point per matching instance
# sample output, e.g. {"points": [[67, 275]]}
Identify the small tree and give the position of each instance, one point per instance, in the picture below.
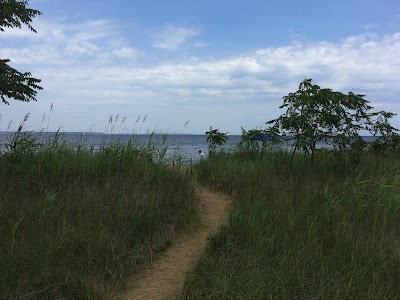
{"points": [[314, 115], [14, 84], [254, 139], [248, 139], [215, 139]]}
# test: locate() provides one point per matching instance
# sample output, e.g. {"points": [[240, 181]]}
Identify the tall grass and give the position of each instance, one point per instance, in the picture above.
{"points": [[75, 222], [324, 231]]}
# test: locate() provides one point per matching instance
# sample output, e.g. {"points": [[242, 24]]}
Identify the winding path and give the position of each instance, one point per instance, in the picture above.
{"points": [[165, 277]]}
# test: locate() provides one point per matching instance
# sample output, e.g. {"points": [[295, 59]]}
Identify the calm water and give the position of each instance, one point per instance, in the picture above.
{"points": [[186, 146]]}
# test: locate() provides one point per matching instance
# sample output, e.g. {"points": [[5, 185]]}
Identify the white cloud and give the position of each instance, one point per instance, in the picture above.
{"points": [[171, 38], [126, 52], [59, 42], [358, 64], [80, 73]]}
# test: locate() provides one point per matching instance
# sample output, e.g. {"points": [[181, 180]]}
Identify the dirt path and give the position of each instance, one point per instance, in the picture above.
{"points": [[165, 277]]}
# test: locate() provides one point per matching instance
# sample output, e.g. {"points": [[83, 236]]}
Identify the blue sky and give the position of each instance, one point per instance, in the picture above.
{"points": [[222, 63]]}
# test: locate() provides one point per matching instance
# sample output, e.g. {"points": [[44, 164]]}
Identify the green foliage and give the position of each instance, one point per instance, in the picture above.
{"points": [[321, 231], [14, 13], [75, 222], [256, 140], [385, 145], [215, 139], [22, 142], [314, 115], [14, 84], [17, 85], [247, 140]]}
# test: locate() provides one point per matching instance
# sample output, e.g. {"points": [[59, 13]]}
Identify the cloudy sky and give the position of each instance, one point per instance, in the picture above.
{"points": [[190, 64]]}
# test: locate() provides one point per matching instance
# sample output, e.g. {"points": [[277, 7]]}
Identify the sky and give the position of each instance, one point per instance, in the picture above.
{"points": [[181, 66]]}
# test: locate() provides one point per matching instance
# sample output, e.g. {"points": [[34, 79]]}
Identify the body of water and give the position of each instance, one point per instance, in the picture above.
{"points": [[186, 146]]}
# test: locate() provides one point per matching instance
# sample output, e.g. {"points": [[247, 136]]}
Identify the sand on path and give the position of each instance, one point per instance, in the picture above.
{"points": [[165, 276]]}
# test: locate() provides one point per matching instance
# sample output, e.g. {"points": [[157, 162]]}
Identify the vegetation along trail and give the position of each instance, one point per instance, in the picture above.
{"points": [[165, 277]]}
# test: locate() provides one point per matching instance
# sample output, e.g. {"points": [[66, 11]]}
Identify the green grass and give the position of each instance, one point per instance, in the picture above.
{"points": [[324, 231], [75, 223]]}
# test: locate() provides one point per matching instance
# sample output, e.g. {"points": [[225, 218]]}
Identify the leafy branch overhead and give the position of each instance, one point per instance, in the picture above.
{"points": [[14, 13], [14, 84], [17, 85]]}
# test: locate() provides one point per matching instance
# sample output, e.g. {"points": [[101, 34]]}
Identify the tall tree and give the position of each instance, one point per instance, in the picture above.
{"points": [[14, 84], [314, 115]]}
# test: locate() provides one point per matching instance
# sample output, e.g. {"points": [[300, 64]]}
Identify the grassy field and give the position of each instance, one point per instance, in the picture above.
{"points": [[330, 230], [74, 222]]}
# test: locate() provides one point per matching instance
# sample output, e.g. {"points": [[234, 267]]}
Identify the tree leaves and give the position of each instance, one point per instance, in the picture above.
{"points": [[14, 13], [14, 84], [314, 115], [215, 138], [17, 85]]}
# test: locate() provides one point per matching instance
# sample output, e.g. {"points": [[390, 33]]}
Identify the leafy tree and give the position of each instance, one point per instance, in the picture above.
{"points": [[250, 139], [14, 84], [314, 115], [215, 138]]}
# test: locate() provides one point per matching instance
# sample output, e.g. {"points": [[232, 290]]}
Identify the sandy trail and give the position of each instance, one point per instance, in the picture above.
{"points": [[165, 277]]}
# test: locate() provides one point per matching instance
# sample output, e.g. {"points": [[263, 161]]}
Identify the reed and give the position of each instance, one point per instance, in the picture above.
{"points": [[76, 221], [324, 231]]}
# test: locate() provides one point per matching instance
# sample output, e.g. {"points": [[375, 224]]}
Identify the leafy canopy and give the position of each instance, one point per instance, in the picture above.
{"points": [[14, 84], [314, 114]]}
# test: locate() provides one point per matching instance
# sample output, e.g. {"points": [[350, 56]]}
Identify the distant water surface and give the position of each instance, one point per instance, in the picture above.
{"points": [[186, 146]]}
